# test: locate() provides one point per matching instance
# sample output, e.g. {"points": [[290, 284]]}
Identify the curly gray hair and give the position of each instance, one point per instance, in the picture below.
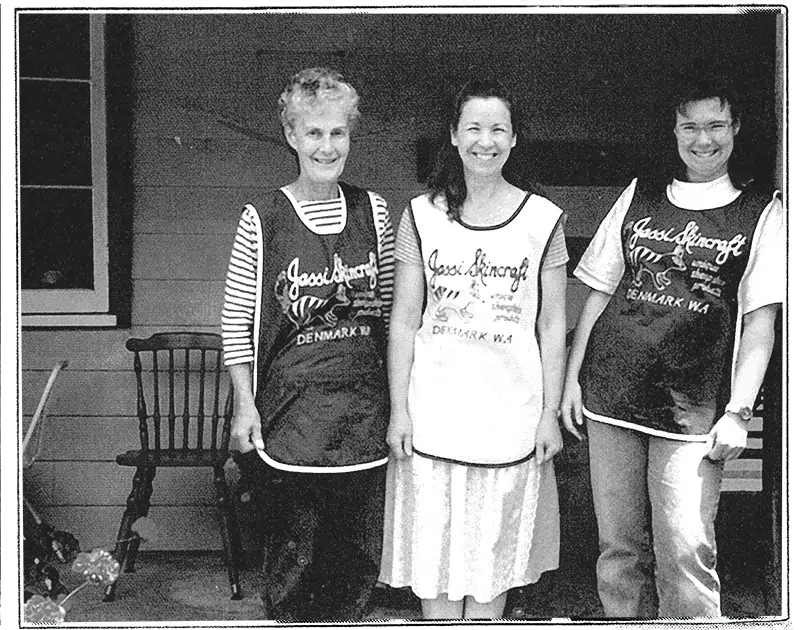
{"points": [[312, 87]]}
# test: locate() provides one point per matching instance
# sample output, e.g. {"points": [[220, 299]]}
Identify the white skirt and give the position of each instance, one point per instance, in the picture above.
{"points": [[464, 530]]}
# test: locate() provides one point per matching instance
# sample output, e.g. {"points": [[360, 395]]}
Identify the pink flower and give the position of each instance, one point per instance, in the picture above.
{"points": [[97, 566], [145, 528], [40, 609]]}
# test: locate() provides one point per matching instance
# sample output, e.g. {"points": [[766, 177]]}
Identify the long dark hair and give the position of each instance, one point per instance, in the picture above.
{"points": [[692, 86], [447, 175]]}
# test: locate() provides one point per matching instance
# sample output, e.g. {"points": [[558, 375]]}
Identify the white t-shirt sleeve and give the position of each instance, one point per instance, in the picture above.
{"points": [[602, 265], [764, 281]]}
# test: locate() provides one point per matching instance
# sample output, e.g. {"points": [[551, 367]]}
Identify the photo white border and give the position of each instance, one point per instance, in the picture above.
{"points": [[496, 7]]}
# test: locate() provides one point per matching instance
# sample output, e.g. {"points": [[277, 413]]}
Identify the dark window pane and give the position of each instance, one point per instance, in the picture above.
{"points": [[54, 46], [56, 239], [55, 140]]}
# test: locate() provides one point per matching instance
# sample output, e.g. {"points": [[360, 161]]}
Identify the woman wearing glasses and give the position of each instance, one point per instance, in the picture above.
{"points": [[687, 275]]}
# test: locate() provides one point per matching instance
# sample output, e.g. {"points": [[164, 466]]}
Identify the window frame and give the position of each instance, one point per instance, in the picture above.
{"points": [[81, 307]]}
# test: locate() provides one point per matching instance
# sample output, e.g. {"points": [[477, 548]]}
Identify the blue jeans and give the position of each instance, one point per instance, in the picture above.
{"points": [[656, 500]]}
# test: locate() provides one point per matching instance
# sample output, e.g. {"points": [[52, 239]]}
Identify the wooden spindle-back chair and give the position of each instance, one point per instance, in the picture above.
{"points": [[184, 421]]}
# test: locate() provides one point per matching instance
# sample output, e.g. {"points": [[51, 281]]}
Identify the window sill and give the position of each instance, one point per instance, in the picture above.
{"points": [[70, 320]]}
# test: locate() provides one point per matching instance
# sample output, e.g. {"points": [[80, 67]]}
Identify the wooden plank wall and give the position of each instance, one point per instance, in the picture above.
{"points": [[206, 140]]}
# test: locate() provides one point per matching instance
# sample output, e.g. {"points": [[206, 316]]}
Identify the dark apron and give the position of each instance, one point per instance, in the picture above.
{"points": [[322, 540]]}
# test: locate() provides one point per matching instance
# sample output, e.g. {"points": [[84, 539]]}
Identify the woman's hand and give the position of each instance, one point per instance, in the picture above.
{"points": [[727, 439], [399, 435], [548, 437], [572, 408], [246, 428]]}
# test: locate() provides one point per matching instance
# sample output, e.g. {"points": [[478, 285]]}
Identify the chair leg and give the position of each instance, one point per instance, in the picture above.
{"points": [[236, 539], [131, 513], [229, 529], [144, 508]]}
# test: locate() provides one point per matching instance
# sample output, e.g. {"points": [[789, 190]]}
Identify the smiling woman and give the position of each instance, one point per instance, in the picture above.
{"points": [[306, 304], [318, 110], [484, 136], [473, 428], [705, 130], [686, 279]]}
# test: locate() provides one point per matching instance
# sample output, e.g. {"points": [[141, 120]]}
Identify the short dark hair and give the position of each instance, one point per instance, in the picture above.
{"points": [[695, 87], [694, 84], [312, 87]]}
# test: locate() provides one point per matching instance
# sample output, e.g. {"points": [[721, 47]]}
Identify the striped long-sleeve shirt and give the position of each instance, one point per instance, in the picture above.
{"points": [[321, 217]]}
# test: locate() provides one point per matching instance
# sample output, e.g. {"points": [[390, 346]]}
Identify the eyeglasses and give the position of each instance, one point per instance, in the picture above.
{"points": [[716, 129]]}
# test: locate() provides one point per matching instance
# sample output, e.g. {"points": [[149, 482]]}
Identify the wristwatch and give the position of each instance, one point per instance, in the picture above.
{"points": [[744, 413]]}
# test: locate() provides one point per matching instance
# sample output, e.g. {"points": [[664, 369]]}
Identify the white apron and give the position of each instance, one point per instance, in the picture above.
{"points": [[475, 391]]}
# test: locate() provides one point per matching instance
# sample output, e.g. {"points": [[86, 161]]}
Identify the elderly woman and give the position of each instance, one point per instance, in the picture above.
{"points": [[304, 326]]}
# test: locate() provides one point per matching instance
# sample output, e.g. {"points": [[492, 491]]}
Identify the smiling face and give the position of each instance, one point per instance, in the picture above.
{"points": [[484, 136], [705, 132], [321, 138]]}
